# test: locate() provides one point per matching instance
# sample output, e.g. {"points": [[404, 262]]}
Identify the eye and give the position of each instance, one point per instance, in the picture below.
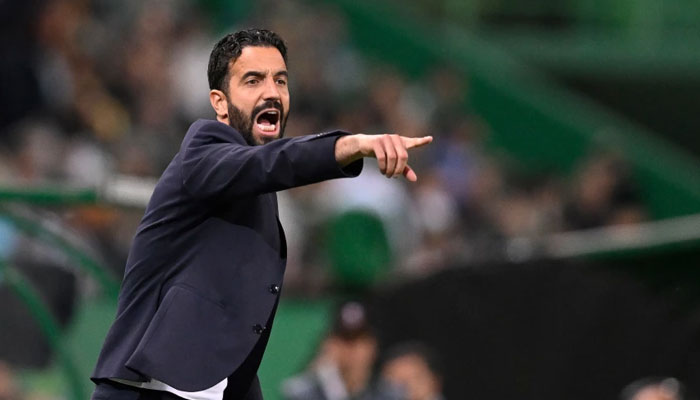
{"points": [[252, 82], [281, 81]]}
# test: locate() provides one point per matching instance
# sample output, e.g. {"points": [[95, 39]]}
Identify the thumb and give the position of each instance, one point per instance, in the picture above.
{"points": [[410, 174], [410, 142]]}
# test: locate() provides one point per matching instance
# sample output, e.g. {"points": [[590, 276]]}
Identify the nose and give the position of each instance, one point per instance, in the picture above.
{"points": [[271, 92]]}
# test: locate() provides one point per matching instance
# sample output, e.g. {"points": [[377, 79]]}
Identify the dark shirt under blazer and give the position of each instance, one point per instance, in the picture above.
{"points": [[205, 269]]}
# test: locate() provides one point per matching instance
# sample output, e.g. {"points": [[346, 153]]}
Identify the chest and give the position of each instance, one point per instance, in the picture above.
{"points": [[260, 214]]}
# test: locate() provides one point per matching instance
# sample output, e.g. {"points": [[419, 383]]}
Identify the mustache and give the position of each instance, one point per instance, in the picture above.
{"points": [[267, 105]]}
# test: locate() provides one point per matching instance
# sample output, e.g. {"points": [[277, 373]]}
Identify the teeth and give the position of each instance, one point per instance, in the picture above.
{"points": [[267, 128]]}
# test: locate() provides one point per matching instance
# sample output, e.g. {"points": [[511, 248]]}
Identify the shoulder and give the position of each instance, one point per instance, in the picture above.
{"points": [[305, 386]]}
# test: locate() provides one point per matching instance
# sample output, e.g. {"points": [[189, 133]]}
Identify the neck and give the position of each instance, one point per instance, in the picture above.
{"points": [[355, 380]]}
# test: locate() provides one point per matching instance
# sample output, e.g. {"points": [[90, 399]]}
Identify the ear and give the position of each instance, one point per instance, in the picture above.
{"points": [[218, 101]]}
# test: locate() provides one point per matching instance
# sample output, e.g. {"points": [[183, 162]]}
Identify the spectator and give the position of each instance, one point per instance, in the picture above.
{"points": [[414, 370], [343, 367], [604, 194], [654, 389], [9, 389]]}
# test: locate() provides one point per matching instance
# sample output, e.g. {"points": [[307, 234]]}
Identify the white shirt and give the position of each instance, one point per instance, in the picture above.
{"points": [[215, 392]]}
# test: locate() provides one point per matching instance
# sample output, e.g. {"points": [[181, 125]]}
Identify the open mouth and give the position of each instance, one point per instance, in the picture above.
{"points": [[268, 120]]}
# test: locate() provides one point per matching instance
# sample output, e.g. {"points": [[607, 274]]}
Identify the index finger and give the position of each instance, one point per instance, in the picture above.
{"points": [[410, 142]]}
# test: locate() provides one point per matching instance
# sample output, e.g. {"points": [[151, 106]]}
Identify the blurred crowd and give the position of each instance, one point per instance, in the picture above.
{"points": [[94, 88], [348, 366]]}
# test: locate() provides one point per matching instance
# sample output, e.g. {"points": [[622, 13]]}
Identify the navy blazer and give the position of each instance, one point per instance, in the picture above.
{"points": [[205, 269]]}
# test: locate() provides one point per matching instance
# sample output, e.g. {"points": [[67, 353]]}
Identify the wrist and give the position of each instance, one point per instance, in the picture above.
{"points": [[347, 150]]}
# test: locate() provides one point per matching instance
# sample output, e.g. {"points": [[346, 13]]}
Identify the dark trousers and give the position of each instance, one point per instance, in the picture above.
{"points": [[110, 390]]}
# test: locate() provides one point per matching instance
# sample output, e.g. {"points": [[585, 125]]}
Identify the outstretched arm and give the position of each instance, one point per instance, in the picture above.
{"points": [[391, 151], [216, 163]]}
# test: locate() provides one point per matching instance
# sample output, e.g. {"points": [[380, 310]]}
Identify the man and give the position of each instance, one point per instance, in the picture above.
{"points": [[414, 370], [204, 273], [654, 388], [343, 367]]}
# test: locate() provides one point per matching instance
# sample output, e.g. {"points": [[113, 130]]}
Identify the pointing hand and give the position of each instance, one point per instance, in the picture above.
{"points": [[391, 151]]}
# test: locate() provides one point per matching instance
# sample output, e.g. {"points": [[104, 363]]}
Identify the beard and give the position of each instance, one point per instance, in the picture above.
{"points": [[243, 122]]}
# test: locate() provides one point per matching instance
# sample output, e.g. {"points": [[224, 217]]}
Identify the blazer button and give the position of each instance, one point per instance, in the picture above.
{"points": [[274, 288], [259, 329]]}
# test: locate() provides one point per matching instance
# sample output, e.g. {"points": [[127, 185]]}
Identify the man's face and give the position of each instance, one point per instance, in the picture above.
{"points": [[412, 373], [258, 95]]}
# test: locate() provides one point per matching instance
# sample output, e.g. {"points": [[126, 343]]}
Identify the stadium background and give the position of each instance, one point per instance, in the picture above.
{"points": [[552, 246]]}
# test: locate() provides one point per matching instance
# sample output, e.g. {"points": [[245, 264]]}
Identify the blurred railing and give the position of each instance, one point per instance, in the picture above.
{"points": [[120, 191], [662, 235], [35, 228], [47, 323]]}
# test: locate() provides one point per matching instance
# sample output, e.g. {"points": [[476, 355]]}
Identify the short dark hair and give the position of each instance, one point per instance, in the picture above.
{"points": [[229, 48]]}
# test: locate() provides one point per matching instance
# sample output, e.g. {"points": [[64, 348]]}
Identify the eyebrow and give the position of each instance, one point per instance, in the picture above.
{"points": [[260, 74]]}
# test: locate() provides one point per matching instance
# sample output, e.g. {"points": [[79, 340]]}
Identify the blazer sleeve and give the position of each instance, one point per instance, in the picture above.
{"points": [[217, 163]]}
